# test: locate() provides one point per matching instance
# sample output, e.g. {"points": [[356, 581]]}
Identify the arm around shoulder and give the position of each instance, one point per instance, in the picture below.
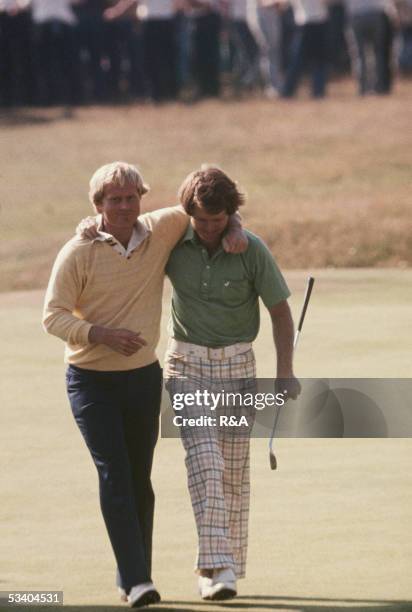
{"points": [[169, 223]]}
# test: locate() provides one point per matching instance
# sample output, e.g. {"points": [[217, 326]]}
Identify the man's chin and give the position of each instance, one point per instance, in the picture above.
{"points": [[210, 241], [124, 223]]}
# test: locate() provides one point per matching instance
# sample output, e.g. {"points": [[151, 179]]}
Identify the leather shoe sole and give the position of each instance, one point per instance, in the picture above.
{"points": [[150, 597], [221, 593]]}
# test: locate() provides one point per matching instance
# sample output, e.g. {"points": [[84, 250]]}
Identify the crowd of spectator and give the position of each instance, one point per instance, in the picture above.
{"points": [[75, 52]]}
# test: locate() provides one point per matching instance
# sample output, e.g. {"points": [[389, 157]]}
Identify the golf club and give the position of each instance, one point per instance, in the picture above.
{"points": [[309, 287]]}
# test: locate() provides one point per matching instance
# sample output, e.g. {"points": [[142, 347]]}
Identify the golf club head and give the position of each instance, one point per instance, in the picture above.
{"points": [[273, 462]]}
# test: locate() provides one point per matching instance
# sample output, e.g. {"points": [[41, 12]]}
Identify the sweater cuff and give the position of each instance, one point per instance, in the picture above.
{"points": [[80, 333]]}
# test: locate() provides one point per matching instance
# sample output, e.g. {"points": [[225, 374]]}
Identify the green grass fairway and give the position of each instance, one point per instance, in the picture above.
{"points": [[329, 531]]}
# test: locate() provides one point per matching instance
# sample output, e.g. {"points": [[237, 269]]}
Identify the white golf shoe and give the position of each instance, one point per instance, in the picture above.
{"points": [[204, 584], [143, 595], [222, 586], [122, 593]]}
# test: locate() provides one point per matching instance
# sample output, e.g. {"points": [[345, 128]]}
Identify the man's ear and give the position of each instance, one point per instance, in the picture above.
{"points": [[98, 208]]}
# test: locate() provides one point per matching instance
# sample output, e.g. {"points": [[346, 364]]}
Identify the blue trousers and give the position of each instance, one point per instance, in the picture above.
{"points": [[118, 416], [56, 62], [372, 32], [206, 48], [160, 56], [308, 47], [246, 54]]}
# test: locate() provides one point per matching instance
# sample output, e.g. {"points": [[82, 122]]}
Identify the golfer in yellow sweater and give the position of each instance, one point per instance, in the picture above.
{"points": [[104, 300]]}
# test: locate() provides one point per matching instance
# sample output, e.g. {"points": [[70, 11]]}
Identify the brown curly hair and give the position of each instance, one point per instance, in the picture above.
{"points": [[211, 189]]}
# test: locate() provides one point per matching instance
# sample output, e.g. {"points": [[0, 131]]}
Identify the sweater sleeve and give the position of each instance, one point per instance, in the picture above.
{"points": [[170, 224], [65, 286]]}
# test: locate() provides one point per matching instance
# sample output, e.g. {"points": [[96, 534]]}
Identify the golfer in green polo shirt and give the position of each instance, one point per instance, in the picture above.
{"points": [[214, 320]]}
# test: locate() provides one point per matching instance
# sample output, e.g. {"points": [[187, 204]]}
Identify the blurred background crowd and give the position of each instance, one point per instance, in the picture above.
{"points": [[73, 52]]}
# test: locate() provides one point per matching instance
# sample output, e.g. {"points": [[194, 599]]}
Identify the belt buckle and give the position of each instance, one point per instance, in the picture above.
{"points": [[221, 356]]}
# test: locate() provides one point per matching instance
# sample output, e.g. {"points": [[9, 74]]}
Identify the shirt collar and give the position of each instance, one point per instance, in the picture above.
{"points": [[189, 235], [140, 233]]}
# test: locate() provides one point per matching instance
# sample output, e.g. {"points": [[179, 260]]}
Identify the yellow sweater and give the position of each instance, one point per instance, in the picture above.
{"points": [[92, 284]]}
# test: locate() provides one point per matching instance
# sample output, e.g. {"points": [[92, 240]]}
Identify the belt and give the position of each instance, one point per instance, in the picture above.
{"points": [[205, 352]]}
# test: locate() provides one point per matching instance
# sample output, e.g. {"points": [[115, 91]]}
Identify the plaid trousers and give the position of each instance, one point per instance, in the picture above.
{"points": [[217, 457]]}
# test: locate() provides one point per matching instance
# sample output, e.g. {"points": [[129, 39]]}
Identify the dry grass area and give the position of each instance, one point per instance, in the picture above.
{"points": [[328, 182]]}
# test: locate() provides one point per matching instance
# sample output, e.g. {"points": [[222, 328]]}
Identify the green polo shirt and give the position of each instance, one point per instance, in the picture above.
{"points": [[216, 299]]}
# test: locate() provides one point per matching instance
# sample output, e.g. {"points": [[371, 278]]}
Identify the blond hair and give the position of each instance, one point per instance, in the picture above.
{"points": [[116, 173]]}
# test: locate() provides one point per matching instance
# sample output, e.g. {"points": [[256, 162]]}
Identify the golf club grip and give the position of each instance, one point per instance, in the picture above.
{"points": [[309, 288]]}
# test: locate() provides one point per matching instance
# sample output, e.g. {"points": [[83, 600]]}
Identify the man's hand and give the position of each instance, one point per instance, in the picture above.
{"points": [[122, 341], [290, 387], [113, 12], [87, 228], [201, 4], [235, 240]]}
